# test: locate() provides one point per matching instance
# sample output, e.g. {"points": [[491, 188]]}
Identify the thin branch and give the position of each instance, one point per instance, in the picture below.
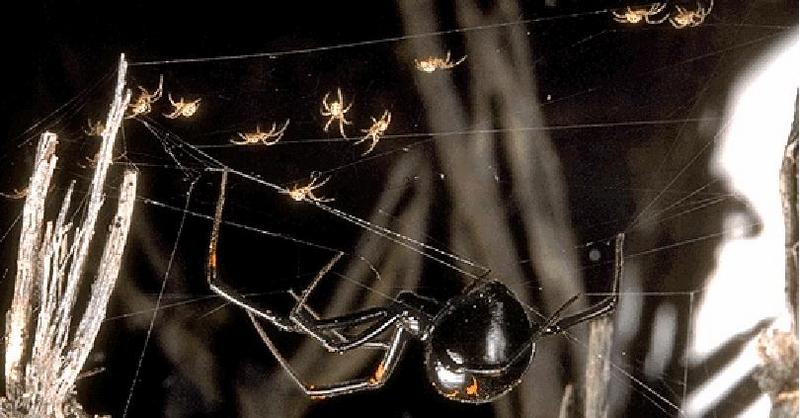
{"points": [[788, 187], [18, 317], [598, 368]]}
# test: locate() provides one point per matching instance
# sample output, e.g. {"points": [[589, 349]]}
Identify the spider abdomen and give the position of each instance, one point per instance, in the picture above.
{"points": [[479, 347]]}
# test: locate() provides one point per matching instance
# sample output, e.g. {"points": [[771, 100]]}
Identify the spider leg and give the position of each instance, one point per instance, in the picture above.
{"points": [[655, 22], [299, 320], [283, 128], [605, 306], [363, 138], [275, 135], [334, 332], [237, 142], [328, 124], [320, 199], [303, 320], [390, 360], [314, 185], [273, 141], [301, 302], [316, 327], [341, 126], [554, 325], [222, 289], [372, 145]]}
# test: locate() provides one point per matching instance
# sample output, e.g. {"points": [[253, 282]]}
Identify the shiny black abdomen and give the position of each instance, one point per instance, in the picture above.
{"points": [[478, 348]]}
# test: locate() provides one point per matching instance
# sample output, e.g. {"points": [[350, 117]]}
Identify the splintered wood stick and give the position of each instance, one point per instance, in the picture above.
{"points": [[598, 368], [45, 353], [788, 188]]}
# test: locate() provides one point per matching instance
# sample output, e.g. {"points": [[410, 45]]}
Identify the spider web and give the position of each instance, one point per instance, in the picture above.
{"points": [[621, 125]]}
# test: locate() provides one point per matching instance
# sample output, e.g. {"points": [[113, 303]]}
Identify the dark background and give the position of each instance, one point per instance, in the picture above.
{"points": [[56, 50]]}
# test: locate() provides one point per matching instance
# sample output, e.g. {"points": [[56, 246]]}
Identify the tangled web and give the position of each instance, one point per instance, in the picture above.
{"points": [[473, 143]]}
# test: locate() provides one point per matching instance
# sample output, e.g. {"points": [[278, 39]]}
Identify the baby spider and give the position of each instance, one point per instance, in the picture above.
{"points": [[91, 162], [336, 111], [143, 104], [375, 131], [432, 64], [307, 192], [635, 15], [478, 344], [16, 194], [685, 18], [266, 138], [185, 109], [95, 129]]}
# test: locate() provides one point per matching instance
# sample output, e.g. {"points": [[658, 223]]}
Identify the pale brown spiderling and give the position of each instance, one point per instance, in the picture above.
{"points": [[182, 109], [431, 64], [91, 162], [307, 192], [94, 128], [15, 194], [144, 102], [335, 110], [376, 131], [633, 15], [268, 138], [685, 18]]}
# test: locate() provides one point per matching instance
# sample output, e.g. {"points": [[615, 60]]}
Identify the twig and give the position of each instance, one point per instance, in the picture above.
{"points": [[598, 368], [567, 409], [788, 187]]}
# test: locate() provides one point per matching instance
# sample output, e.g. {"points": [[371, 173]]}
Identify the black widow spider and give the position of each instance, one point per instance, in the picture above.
{"points": [[478, 345]]}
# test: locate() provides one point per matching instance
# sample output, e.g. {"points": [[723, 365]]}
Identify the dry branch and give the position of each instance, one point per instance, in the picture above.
{"points": [[598, 368], [788, 183], [44, 354]]}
